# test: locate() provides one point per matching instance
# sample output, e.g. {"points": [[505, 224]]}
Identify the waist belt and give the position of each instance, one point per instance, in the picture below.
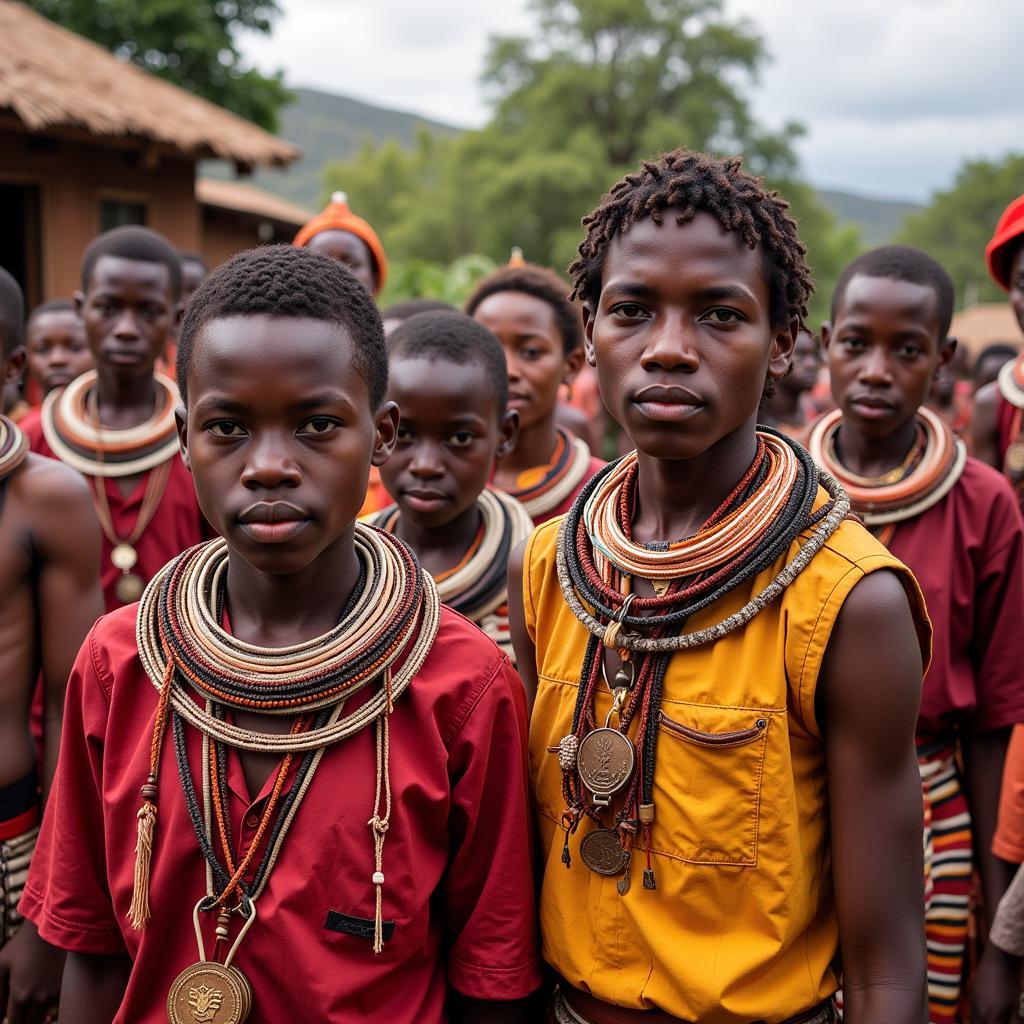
{"points": [[571, 1006]]}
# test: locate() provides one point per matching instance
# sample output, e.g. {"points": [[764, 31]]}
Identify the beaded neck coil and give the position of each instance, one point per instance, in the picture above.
{"points": [[925, 477], [542, 490], [13, 447], [202, 672], [478, 586], [769, 509], [1011, 381], [72, 429]]}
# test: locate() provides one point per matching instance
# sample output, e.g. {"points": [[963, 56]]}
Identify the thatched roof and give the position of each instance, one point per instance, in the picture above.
{"points": [[241, 198], [54, 79]]}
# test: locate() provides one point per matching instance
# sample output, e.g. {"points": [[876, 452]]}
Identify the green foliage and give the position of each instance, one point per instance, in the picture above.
{"points": [[422, 279], [189, 42], [959, 222]]}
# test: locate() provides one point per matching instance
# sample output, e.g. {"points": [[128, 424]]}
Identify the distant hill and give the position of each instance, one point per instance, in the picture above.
{"points": [[878, 219], [328, 127]]}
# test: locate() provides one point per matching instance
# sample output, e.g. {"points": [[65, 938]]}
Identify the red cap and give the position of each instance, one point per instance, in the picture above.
{"points": [[1009, 229], [336, 216]]}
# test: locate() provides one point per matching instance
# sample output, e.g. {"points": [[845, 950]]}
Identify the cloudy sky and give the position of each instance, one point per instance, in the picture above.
{"points": [[894, 93]]}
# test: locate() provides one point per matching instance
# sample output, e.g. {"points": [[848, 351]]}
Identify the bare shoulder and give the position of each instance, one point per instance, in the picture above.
{"points": [[42, 483], [987, 399]]}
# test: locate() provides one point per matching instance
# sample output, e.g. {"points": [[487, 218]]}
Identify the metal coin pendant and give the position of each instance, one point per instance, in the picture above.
{"points": [[209, 993], [602, 852], [605, 763], [129, 587], [1014, 461], [124, 557]]}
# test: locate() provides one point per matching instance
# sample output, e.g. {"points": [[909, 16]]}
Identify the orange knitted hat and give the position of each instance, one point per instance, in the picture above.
{"points": [[337, 216]]}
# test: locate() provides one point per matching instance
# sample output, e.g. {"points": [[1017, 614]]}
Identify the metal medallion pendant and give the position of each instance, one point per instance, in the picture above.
{"points": [[602, 852], [129, 587], [1014, 461], [209, 993], [605, 763], [124, 557]]}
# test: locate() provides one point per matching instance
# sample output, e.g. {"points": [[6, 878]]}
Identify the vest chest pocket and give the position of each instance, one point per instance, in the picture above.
{"points": [[707, 783]]}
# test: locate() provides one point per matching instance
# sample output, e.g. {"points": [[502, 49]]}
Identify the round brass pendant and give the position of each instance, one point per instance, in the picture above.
{"points": [[209, 993], [602, 852], [124, 557], [1014, 461], [605, 761], [129, 587]]}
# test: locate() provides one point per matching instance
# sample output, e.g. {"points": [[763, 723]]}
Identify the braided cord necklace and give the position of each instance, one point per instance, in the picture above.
{"points": [[559, 479], [597, 558], [202, 672]]}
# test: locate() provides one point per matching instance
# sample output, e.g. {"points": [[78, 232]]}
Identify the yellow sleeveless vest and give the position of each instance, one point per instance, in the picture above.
{"points": [[741, 926]]}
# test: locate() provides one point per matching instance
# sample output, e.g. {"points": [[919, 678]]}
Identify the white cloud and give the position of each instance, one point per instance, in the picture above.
{"points": [[894, 93]]}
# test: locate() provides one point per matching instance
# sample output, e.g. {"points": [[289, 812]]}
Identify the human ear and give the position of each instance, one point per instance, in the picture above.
{"points": [[780, 357], [588, 335], [181, 424], [572, 365], [946, 352], [508, 430], [79, 300], [826, 334], [386, 434], [14, 367]]}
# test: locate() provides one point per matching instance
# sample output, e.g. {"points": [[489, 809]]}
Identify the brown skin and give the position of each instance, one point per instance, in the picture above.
{"points": [[57, 349], [49, 579], [685, 308], [350, 250], [452, 429], [538, 366], [985, 425], [128, 309], [278, 418], [192, 274], [885, 349], [784, 406]]}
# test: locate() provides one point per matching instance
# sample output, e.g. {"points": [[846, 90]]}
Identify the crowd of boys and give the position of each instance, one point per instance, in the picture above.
{"points": [[720, 732]]}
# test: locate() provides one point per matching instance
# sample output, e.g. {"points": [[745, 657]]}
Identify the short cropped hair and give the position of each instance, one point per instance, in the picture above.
{"points": [[542, 284], [53, 306], [1001, 350], [280, 280], [453, 338], [132, 242], [902, 263], [682, 184], [12, 314], [412, 307]]}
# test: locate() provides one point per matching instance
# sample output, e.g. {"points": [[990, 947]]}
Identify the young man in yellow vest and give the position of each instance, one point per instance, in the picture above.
{"points": [[727, 669]]}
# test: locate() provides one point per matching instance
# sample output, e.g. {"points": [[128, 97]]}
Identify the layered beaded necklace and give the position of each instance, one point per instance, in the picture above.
{"points": [[597, 560], [202, 672], [13, 452], [558, 480], [72, 428], [478, 586], [1011, 387], [923, 479]]}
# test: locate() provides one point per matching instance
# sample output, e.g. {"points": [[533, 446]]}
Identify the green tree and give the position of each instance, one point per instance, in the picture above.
{"points": [[189, 42], [959, 221]]}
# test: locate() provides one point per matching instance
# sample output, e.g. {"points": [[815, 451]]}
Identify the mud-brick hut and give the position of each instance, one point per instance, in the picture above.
{"points": [[89, 142]]}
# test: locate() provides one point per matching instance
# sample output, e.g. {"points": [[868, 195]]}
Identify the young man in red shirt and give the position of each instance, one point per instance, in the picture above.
{"points": [[339, 762], [115, 424]]}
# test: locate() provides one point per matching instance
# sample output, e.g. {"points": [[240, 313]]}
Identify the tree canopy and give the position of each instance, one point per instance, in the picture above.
{"points": [[189, 42], [960, 220], [599, 86]]}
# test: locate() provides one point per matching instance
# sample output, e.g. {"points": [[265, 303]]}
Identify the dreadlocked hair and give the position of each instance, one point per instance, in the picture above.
{"points": [[689, 183]]}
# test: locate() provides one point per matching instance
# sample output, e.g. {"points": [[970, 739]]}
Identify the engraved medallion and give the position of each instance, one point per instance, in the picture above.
{"points": [[124, 557], [602, 852], [1014, 462], [129, 587], [605, 762], [209, 993]]}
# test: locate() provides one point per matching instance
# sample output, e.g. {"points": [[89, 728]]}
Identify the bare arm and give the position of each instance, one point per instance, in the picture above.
{"points": [[66, 540], [93, 988], [871, 690], [526, 652], [985, 426]]}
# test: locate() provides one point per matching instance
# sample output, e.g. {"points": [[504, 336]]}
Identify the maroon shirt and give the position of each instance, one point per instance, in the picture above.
{"points": [[176, 526], [967, 553], [457, 860]]}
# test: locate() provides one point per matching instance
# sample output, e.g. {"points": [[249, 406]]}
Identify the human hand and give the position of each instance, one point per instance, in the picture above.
{"points": [[30, 977], [996, 996]]}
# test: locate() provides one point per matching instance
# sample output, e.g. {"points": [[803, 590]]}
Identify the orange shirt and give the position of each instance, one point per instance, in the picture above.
{"points": [[742, 925]]}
